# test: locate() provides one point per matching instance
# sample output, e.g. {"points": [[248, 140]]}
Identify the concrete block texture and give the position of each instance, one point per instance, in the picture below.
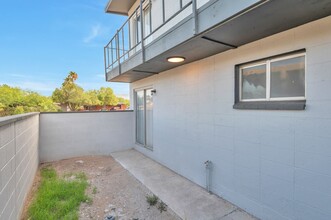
{"points": [[19, 137], [273, 164], [67, 135]]}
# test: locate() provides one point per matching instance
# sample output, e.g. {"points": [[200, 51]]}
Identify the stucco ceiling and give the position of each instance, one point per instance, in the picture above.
{"points": [[119, 6]]}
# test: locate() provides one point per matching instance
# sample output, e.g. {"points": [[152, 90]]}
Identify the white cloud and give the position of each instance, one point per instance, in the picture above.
{"points": [[38, 86], [95, 32], [26, 81], [18, 75], [92, 85], [44, 88]]}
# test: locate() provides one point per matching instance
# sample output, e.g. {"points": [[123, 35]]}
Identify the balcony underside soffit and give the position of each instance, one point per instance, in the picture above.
{"points": [[261, 21], [119, 6]]}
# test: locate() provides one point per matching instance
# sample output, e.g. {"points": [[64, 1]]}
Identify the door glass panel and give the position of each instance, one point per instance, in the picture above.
{"points": [[140, 117], [253, 82], [149, 118], [288, 78]]}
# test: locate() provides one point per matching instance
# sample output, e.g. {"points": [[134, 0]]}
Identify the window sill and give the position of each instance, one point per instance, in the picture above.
{"points": [[272, 105]]}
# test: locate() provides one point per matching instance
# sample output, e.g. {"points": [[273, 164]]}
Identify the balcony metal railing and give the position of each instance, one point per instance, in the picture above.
{"points": [[137, 31]]}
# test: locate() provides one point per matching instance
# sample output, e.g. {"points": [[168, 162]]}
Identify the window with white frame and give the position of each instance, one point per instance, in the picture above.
{"points": [[277, 79], [271, 80]]}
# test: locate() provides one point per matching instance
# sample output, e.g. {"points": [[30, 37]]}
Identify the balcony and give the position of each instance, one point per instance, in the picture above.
{"points": [[194, 30]]}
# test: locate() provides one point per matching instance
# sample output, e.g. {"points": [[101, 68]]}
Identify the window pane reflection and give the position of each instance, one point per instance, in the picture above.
{"points": [[254, 82], [140, 115], [288, 78]]}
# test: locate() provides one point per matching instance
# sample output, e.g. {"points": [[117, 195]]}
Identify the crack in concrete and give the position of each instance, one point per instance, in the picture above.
{"points": [[236, 209]]}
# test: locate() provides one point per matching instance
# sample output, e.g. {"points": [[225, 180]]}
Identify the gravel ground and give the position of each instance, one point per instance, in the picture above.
{"points": [[114, 191]]}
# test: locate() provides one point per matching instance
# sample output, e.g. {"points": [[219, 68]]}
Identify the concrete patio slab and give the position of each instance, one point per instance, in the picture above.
{"points": [[187, 199]]}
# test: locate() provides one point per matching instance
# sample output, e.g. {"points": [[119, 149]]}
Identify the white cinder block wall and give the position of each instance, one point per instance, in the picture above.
{"points": [[274, 164], [76, 134], [19, 136]]}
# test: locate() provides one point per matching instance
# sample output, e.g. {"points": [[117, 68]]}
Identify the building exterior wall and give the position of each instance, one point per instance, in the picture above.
{"points": [[18, 161], [274, 164], [67, 135]]}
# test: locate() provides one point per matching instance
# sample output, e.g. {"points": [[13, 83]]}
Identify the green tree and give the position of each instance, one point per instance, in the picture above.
{"points": [[36, 102], [14, 100], [2, 107], [70, 94], [124, 101], [107, 96], [10, 96], [91, 98]]}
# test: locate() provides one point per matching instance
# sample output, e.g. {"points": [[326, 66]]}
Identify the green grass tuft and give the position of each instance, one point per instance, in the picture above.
{"points": [[81, 176], [152, 200], [58, 198], [48, 173]]}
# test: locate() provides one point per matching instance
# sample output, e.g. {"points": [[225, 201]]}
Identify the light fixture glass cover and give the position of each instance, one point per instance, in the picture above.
{"points": [[175, 59]]}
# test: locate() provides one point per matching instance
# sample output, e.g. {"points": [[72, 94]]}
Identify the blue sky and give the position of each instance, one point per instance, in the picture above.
{"points": [[42, 40]]}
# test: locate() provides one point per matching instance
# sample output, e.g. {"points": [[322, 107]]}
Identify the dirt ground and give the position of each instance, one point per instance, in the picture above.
{"points": [[114, 191]]}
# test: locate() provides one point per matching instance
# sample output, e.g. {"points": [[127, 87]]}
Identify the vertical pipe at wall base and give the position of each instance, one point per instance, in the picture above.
{"points": [[208, 165]]}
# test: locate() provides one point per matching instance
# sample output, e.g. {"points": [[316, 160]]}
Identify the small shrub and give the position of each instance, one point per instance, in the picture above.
{"points": [[162, 207], [152, 200]]}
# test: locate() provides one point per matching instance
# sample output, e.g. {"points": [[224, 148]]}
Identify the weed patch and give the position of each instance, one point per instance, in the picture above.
{"points": [[58, 198], [162, 207], [95, 190], [152, 200]]}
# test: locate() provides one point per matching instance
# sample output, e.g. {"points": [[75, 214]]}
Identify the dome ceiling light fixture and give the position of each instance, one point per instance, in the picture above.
{"points": [[176, 59]]}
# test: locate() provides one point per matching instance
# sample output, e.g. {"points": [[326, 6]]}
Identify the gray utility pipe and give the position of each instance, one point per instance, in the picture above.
{"points": [[208, 165]]}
